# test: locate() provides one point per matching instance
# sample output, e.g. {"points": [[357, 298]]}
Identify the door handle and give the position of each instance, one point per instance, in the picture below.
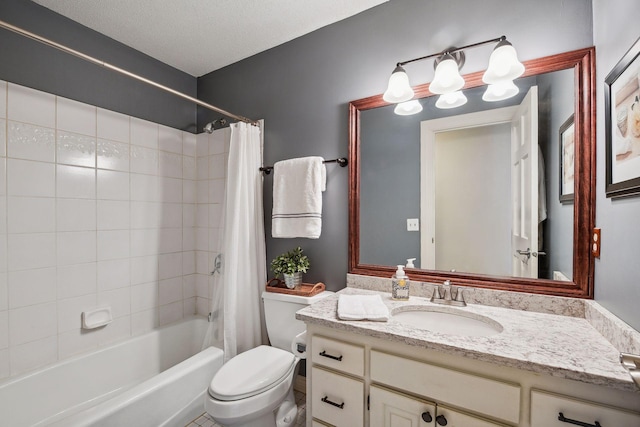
{"points": [[526, 253]]}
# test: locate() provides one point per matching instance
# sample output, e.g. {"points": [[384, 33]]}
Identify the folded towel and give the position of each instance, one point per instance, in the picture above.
{"points": [[297, 197], [362, 307]]}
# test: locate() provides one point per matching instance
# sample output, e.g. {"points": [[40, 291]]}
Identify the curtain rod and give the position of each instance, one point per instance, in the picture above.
{"points": [[104, 64], [340, 161]]}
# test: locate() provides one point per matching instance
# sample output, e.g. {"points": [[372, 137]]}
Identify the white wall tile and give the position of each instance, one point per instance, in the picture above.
{"points": [[144, 133], [3, 177], [114, 274], [202, 239], [215, 215], [170, 313], [70, 311], [113, 215], [75, 342], [75, 182], [75, 214], [31, 106], [170, 139], [202, 215], [202, 262], [188, 215], [3, 137], [76, 247], [217, 166], [31, 215], [3, 99], [113, 155], [32, 323], [216, 190], [202, 168], [170, 190], [145, 242], [170, 265], [145, 215], [113, 185], [202, 191], [4, 329], [29, 287], [145, 188], [76, 280], [4, 292], [33, 355], [31, 142], [118, 299], [202, 286], [202, 144], [170, 240], [144, 296], [144, 321], [31, 251], [112, 125], [217, 142], [144, 160], [188, 262], [75, 149], [171, 215], [214, 240], [117, 330], [189, 306], [76, 117], [189, 168], [4, 257], [144, 269], [203, 306], [113, 244], [4, 364], [188, 191], [3, 215], [188, 144], [170, 290], [170, 165], [189, 239], [189, 286], [26, 178]]}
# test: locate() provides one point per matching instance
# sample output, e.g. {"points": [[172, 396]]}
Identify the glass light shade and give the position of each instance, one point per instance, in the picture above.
{"points": [[398, 89], [500, 91], [447, 78], [408, 108], [503, 64], [451, 100]]}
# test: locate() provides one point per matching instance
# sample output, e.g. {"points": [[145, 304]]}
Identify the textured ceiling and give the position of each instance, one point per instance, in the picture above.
{"points": [[200, 36]]}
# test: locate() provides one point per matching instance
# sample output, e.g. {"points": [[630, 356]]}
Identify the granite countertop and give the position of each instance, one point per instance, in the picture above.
{"points": [[556, 345]]}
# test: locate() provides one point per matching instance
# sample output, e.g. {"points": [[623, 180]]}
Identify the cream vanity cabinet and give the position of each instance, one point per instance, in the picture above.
{"points": [[355, 380]]}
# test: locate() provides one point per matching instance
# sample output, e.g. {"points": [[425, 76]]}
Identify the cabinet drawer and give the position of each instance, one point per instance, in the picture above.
{"points": [[546, 408], [478, 394], [336, 399], [456, 418], [316, 423], [338, 355]]}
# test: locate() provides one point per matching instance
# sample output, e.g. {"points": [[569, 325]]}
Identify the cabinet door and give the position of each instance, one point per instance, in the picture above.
{"points": [[453, 418], [547, 407], [336, 399], [392, 409]]}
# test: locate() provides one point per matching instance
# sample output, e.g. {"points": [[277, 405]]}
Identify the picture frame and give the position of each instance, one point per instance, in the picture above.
{"points": [[567, 159], [622, 126]]}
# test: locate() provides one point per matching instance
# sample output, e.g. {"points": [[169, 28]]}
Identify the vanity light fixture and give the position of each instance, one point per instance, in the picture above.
{"points": [[504, 67]]}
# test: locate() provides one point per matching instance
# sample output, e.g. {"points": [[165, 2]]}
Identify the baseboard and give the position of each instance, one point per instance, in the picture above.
{"points": [[300, 384]]}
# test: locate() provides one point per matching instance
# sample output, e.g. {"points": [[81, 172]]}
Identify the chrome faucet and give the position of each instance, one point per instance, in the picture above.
{"points": [[446, 297]]}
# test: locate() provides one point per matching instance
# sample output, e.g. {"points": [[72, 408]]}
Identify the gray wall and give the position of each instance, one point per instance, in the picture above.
{"points": [[618, 270], [302, 88], [32, 64]]}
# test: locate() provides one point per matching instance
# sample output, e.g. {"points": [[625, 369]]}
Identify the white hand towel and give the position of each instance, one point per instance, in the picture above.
{"points": [[362, 307], [297, 197]]}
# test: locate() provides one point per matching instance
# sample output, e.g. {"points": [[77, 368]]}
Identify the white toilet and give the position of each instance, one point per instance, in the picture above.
{"points": [[255, 388]]}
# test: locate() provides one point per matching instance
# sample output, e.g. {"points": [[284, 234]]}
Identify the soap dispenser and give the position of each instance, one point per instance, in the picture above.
{"points": [[410, 263], [400, 285]]}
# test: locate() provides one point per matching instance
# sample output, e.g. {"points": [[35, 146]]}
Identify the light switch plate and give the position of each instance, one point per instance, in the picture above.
{"points": [[413, 224]]}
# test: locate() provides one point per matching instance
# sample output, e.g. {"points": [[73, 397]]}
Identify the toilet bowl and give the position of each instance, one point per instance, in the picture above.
{"points": [[255, 388]]}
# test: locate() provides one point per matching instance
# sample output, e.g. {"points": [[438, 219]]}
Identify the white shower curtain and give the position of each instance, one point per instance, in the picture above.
{"points": [[243, 244]]}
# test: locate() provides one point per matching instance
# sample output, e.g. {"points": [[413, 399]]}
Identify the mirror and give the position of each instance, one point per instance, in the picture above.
{"points": [[425, 168]]}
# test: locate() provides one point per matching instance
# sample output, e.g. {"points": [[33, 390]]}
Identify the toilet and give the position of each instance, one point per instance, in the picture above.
{"points": [[255, 388]]}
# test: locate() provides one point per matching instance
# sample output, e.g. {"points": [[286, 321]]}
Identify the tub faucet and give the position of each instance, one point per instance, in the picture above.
{"points": [[446, 296]]}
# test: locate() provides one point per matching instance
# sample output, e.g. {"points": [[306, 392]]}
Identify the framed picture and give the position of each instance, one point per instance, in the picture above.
{"points": [[622, 124], [567, 157]]}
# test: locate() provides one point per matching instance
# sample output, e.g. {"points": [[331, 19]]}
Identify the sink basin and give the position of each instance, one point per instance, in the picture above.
{"points": [[451, 322]]}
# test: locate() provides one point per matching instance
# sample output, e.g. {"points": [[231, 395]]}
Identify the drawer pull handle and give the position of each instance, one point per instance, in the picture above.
{"points": [[441, 420], [337, 405], [426, 417], [562, 418], [324, 354]]}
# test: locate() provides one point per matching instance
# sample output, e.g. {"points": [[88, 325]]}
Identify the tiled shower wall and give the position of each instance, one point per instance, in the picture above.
{"points": [[98, 208]]}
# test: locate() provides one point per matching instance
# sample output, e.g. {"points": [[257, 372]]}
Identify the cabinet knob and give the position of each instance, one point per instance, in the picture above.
{"points": [[426, 417], [441, 420]]}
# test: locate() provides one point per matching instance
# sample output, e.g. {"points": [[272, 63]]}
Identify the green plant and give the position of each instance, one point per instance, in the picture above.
{"points": [[290, 262]]}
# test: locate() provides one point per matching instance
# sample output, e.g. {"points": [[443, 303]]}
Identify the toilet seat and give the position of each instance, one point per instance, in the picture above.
{"points": [[251, 373]]}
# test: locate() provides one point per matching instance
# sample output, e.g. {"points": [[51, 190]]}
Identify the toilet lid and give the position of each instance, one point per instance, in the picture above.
{"points": [[251, 373]]}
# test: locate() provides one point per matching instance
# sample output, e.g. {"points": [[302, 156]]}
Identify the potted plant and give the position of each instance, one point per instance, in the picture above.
{"points": [[291, 265]]}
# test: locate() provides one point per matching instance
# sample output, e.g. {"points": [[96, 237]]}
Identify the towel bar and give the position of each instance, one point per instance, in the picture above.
{"points": [[342, 162]]}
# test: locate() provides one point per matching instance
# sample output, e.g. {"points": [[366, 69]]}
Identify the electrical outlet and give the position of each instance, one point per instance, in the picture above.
{"points": [[595, 243], [413, 224]]}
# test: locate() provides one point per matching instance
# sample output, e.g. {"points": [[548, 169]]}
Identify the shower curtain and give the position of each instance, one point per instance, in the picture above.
{"points": [[239, 282]]}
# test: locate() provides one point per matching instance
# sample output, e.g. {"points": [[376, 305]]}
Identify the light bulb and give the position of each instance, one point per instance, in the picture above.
{"points": [[398, 89], [503, 64], [447, 77], [451, 100], [408, 108], [500, 91]]}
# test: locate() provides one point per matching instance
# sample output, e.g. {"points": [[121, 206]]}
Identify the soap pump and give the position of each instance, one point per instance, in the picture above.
{"points": [[400, 285], [410, 263]]}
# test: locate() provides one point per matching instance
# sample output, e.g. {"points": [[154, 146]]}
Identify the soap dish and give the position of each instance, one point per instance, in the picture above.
{"points": [[97, 317]]}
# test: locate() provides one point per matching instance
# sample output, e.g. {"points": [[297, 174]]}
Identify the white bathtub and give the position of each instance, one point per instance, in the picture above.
{"points": [[156, 379]]}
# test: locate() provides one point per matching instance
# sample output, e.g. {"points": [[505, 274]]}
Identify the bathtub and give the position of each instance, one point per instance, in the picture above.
{"points": [[156, 379]]}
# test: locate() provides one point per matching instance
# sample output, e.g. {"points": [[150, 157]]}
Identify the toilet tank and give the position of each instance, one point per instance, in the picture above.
{"points": [[280, 316]]}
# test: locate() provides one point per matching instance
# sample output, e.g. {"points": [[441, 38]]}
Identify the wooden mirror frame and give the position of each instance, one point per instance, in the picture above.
{"points": [[583, 63]]}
